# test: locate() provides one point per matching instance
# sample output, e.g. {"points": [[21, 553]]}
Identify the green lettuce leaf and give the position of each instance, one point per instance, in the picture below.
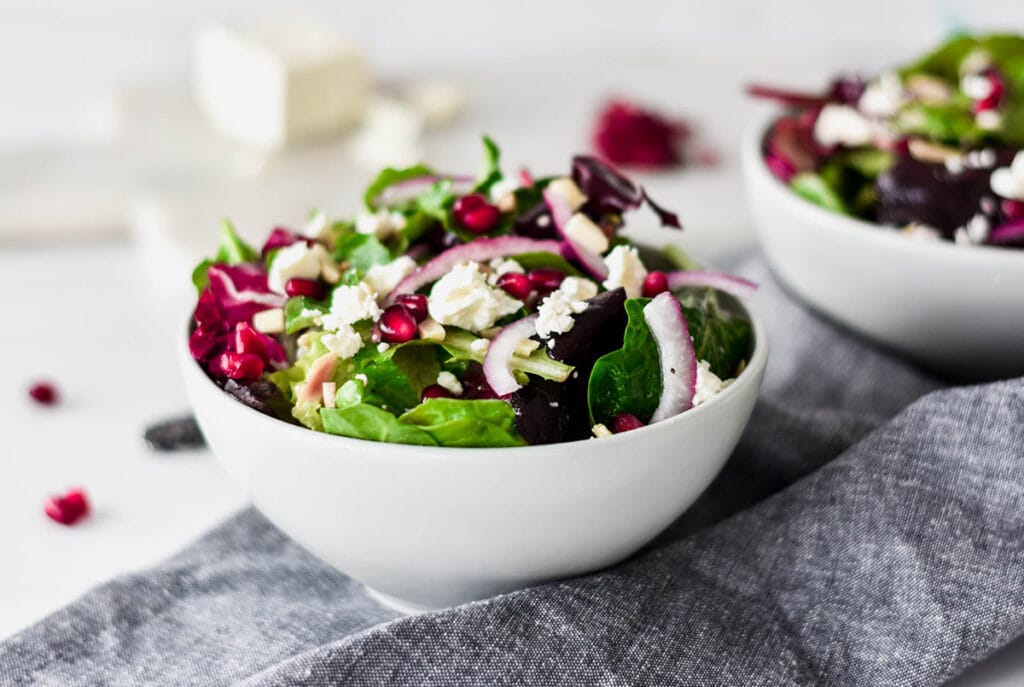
{"points": [[458, 422], [814, 188], [459, 342], [362, 251], [301, 312], [365, 421], [389, 176], [233, 251], [491, 173]]}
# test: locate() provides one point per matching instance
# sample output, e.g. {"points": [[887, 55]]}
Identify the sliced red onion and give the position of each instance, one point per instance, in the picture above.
{"points": [[665, 319], [561, 213], [786, 97], [406, 190], [737, 286], [480, 250], [497, 362], [1011, 232]]}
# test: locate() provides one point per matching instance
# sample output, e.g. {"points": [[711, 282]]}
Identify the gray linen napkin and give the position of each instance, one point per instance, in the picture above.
{"points": [[868, 530]]}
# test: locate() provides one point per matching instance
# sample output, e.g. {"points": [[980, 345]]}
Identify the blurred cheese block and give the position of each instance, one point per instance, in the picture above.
{"points": [[273, 84]]}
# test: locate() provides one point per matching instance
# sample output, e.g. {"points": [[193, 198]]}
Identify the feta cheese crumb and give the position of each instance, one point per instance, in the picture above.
{"points": [[582, 230], [1008, 182], [345, 342], [297, 261], [555, 313], [842, 125], [381, 224], [479, 345], [463, 298], [567, 190], [625, 270], [882, 98], [351, 304], [383, 347], [384, 278], [989, 120], [315, 226], [450, 382], [503, 194], [600, 431], [708, 384]]}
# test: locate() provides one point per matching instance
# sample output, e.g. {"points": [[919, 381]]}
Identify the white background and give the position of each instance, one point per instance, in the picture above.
{"points": [[94, 317]]}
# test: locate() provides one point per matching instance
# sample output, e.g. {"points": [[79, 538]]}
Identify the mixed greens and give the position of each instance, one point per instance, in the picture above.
{"points": [[470, 311], [932, 147]]}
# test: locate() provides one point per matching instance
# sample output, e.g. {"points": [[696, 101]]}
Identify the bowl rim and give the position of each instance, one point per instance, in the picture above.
{"points": [[883, 235], [751, 375]]}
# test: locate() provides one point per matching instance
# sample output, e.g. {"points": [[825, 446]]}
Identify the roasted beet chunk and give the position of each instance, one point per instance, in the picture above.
{"points": [[261, 395], [598, 330]]}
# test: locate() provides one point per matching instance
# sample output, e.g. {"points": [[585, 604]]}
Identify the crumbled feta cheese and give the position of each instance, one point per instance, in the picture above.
{"points": [[976, 86], [708, 384], [977, 229], [567, 190], [450, 382], [1008, 182], [463, 298], [479, 345], [269, 321], [842, 125], [882, 98], [383, 347], [503, 194], [582, 230], [344, 341], [384, 278], [555, 313], [990, 120], [315, 226], [351, 304], [500, 266], [381, 224], [297, 261], [625, 270], [600, 431]]}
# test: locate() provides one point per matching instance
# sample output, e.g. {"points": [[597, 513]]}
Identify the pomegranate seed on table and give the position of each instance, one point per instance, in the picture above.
{"points": [[241, 366], [546, 278], [655, 283], [623, 422], [67, 509], [397, 325], [305, 287], [515, 284], [43, 393], [415, 303], [435, 391]]}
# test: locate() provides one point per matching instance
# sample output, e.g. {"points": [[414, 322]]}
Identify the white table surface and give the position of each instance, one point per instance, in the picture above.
{"points": [[102, 319]]}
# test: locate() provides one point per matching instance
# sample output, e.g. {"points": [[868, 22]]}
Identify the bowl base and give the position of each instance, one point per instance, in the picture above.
{"points": [[401, 605]]}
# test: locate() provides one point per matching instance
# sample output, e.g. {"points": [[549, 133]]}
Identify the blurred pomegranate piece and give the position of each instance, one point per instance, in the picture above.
{"points": [[43, 393], [67, 509], [629, 135]]}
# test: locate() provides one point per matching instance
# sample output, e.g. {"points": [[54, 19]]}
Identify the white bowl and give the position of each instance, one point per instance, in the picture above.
{"points": [[428, 527], [958, 310]]}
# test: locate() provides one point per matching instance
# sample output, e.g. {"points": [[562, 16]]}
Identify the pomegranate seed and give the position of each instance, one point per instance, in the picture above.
{"points": [[397, 325], [516, 285], [435, 391], [416, 304], [473, 212], [995, 94], [1013, 209], [43, 393], [525, 178], [546, 279], [67, 509], [655, 283], [248, 340], [623, 422], [305, 287], [241, 366]]}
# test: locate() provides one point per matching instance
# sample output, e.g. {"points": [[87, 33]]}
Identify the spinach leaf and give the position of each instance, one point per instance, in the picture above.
{"points": [[365, 421], [627, 380], [944, 62], [720, 338], [389, 176], [491, 173], [542, 260], [362, 252]]}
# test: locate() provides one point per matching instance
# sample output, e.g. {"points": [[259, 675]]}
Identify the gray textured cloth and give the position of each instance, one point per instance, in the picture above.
{"points": [[869, 530]]}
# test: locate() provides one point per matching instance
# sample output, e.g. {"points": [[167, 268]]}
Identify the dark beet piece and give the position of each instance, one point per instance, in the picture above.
{"points": [[928, 193], [176, 434], [536, 223], [261, 395], [544, 414], [598, 330], [434, 391]]}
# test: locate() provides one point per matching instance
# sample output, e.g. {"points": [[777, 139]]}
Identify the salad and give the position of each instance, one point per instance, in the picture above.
{"points": [[933, 147], [460, 311]]}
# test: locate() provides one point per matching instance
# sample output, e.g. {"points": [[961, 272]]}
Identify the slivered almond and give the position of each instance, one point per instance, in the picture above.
{"points": [[269, 321], [926, 151], [431, 330], [329, 389]]}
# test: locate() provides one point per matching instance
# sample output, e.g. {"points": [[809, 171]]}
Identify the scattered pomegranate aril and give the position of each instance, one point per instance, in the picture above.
{"points": [[995, 94], [546, 278], [240, 366], [416, 304], [248, 340], [525, 178], [515, 284], [623, 422], [655, 283], [474, 213], [397, 325], [67, 509], [627, 134], [305, 287], [435, 391], [43, 393]]}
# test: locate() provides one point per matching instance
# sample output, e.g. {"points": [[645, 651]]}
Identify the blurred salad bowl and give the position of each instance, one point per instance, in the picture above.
{"points": [[954, 309], [429, 527]]}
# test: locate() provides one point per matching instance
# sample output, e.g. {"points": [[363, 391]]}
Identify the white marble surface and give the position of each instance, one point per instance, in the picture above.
{"points": [[534, 73]]}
